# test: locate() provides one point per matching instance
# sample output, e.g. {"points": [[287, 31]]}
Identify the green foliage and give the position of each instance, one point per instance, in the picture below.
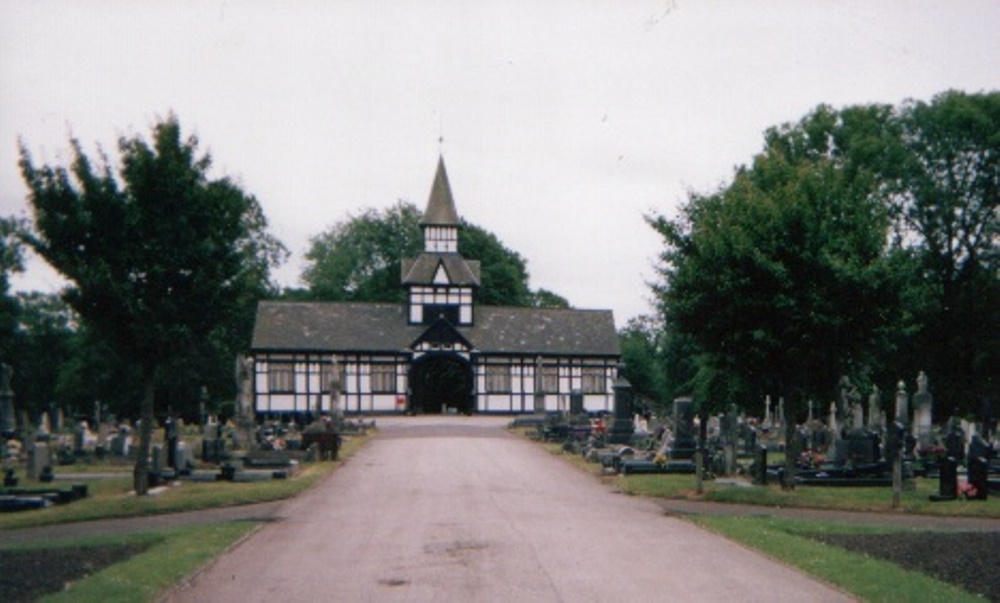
{"points": [[642, 354], [504, 272], [543, 298], [163, 262], [360, 259], [950, 212], [11, 261], [44, 338], [775, 277], [859, 242]]}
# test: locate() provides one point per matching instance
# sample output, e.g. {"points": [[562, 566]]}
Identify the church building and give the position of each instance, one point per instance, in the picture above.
{"points": [[437, 352]]}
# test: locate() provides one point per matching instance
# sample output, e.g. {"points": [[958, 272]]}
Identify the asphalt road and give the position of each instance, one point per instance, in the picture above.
{"points": [[456, 509]]}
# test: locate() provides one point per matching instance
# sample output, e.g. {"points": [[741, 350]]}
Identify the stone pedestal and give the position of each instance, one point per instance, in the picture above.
{"points": [[622, 427]]}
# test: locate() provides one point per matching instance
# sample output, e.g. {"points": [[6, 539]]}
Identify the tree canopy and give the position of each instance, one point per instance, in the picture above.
{"points": [[360, 258], [162, 260], [860, 242]]}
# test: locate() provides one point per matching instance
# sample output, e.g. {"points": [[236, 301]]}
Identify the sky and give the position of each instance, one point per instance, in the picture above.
{"points": [[564, 123]]}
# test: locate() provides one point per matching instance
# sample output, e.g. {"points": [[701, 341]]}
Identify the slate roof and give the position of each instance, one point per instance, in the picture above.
{"points": [[421, 269], [441, 205], [363, 327]]}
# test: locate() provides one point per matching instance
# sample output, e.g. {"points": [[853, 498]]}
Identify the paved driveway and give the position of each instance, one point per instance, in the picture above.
{"points": [[455, 509]]}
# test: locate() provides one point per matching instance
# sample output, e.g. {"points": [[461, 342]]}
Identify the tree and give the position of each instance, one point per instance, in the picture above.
{"points": [[44, 338], [779, 278], [359, 259], [11, 261], [642, 355], [949, 216], [160, 260]]}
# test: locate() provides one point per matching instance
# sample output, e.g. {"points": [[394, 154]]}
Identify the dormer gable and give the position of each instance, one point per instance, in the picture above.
{"points": [[442, 336], [441, 275]]}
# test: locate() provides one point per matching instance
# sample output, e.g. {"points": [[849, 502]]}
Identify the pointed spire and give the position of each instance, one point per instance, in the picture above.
{"points": [[441, 205]]}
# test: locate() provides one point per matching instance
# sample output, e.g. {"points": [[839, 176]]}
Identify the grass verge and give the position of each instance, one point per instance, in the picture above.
{"points": [[171, 555], [864, 577], [915, 501], [113, 497]]}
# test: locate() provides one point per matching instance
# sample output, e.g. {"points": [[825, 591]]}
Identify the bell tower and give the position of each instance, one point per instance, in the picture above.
{"points": [[440, 283]]}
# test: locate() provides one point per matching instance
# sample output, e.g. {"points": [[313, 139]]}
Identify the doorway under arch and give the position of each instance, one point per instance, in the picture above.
{"points": [[440, 382]]}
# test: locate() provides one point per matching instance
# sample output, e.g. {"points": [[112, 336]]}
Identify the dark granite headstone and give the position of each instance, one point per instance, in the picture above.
{"points": [[947, 480], [979, 477], [685, 441], [760, 466]]}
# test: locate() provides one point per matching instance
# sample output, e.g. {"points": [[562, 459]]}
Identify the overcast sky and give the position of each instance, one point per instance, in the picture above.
{"points": [[564, 122]]}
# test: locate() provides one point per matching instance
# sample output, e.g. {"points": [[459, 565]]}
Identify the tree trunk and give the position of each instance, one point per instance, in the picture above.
{"points": [[140, 475]]}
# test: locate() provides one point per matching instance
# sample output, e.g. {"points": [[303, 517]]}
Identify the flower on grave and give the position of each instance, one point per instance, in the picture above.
{"points": [[810, 459], [967, 490]]}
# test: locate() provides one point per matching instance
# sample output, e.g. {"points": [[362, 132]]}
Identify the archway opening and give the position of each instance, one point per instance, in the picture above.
{"points": [[440, 383]]}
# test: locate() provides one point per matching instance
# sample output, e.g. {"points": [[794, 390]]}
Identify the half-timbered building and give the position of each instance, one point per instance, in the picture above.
{"points": [[437, 352]]}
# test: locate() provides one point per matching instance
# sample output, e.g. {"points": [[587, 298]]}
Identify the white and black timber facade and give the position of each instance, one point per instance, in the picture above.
{"points": [[437, 352]]}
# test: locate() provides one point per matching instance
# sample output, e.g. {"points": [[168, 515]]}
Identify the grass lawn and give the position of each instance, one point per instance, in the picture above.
{"points": [[915, 500], [867, 578], [113, 497], [172, 555]]}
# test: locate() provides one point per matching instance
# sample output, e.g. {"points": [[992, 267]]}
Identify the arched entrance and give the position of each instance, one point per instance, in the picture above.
{"points": [[439, 382]]}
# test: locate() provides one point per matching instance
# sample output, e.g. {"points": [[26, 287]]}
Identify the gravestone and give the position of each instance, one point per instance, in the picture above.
{"points": [[980, 447], [902, 415], [876, 420], [862, 447], [685, 441], [622, 427], [760, 466], [170, 437], [954, 442], [979, 477], [39, 458], [159, 459], [947, 480], [184, 457], [923, 410], [120, 443]]}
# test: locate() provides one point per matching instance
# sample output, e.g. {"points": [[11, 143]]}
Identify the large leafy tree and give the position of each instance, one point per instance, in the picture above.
{"points": [[949, 218], [778, 278], [859, 241], [359, 259], [160, 259]]}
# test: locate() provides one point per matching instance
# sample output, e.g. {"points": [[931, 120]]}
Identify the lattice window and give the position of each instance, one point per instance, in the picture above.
{"points": [[498, 379], [383, 378], [281, 377], [550, 379], [593, 380]]}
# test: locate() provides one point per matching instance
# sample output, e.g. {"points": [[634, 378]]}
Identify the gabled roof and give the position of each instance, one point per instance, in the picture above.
{"points": [[332, 326], [441, 205], [421, 269], [337, 327], [442, 332]]}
